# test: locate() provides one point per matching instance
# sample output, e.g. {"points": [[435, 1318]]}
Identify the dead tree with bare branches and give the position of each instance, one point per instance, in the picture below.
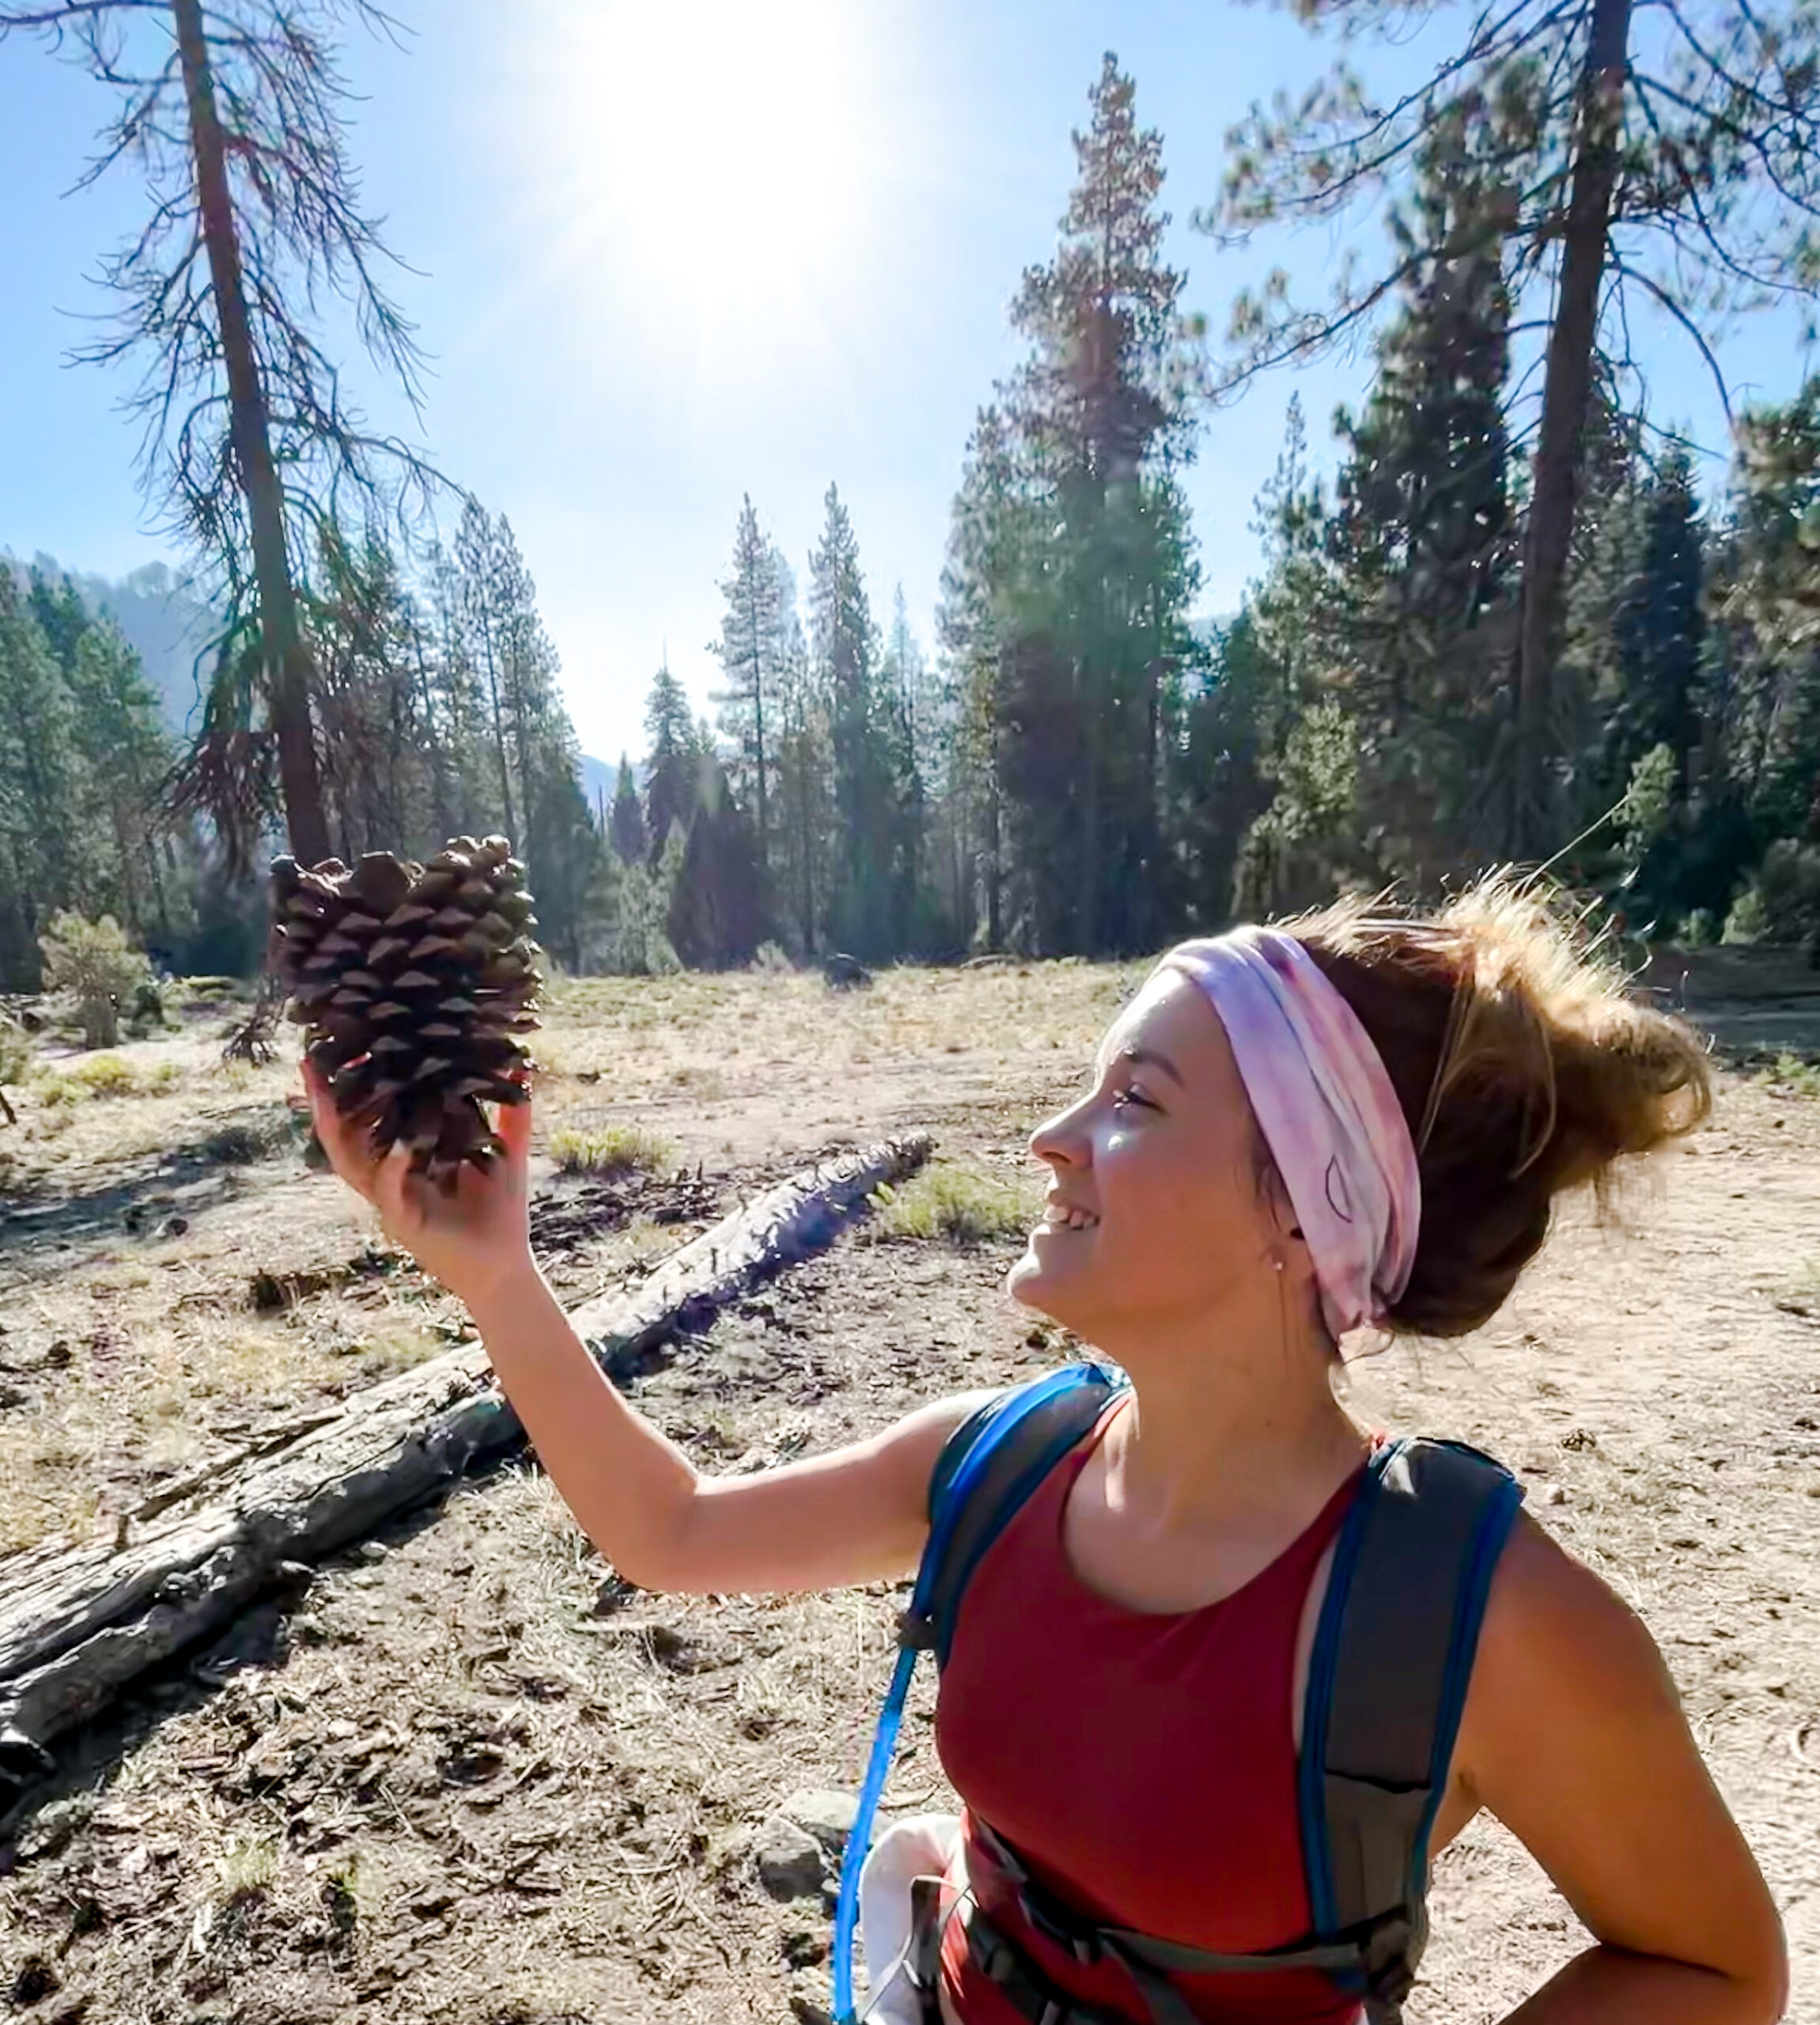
{"points": [[233, 112]]}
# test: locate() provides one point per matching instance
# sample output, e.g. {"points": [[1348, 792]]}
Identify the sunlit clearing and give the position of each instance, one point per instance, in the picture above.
{"points": [[715, 153]]}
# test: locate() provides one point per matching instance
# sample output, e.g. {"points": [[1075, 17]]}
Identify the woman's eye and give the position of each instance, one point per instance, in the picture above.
{"points": [[1131, 1097]]}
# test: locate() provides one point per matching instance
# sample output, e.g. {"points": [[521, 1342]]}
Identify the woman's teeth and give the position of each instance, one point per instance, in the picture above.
{"points": [[1070, 1220]]}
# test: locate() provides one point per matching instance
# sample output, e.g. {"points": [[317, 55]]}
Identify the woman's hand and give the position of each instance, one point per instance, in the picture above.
{"points": [[474, 1241]]}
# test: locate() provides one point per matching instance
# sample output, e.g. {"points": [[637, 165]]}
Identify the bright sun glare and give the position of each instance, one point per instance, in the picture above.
{"points": [[713, 150]]}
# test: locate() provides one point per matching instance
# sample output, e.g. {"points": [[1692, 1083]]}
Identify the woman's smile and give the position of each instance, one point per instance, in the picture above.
{"points": [[1066, 1216]]}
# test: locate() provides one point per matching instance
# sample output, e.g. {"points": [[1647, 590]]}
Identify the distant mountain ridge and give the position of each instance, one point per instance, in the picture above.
{"points": [[163, 620], [170, 629]]}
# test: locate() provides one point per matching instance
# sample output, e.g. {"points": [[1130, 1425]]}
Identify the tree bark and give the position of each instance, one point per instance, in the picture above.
{"points": [[1564, 390], [77, 1625], [285, 656]]}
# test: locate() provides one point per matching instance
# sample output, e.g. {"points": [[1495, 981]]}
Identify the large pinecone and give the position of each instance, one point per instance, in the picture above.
{"points": [[415, 983]]}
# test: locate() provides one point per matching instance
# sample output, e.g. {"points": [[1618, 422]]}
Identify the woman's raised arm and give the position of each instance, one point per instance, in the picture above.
{"points": [[857, 1515]]}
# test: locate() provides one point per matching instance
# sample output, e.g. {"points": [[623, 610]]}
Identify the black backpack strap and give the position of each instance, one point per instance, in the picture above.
{"points": [[1387, 1679], [987, 1468]]}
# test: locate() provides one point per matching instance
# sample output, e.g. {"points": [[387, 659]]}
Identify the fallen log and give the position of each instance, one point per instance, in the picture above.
{"points": [[78, 1624]]}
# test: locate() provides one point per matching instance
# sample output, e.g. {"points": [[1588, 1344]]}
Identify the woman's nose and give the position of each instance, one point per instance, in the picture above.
{"points": [[1059, 1141]]}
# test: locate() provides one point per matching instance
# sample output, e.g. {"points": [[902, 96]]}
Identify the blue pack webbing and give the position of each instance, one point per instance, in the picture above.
{"points": [[891, 1716]]}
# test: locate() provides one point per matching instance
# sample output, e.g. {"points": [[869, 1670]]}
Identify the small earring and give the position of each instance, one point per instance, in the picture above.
{"points": [[1279, 1264]]}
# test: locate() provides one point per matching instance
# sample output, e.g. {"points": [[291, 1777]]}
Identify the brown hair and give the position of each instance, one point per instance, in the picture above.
{"points": [[1523, 1066]]}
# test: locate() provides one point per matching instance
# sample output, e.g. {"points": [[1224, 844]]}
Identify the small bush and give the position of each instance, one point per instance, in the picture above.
{"points": [[16, 1052], [1749, 920], [239, 1145], [616, 1149], [1802, 1077], [249, 1866], [1788, 881], [104, 1076], [1701, 930], [957, 1203], [773, 960], [97, 966]]}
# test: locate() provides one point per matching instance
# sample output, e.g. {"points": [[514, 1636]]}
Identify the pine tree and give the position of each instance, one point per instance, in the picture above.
{"points": [[672, 768], [1678, 167], [1087, 581], [844, 642], [910, 732], [1660, 626], [1415, 611], [750, 650], [38, 787], [993, 542], [716, 909], [126, 756], [808, 845], [1223, 776], [476, 557], [625, 824], [1763, 687]]}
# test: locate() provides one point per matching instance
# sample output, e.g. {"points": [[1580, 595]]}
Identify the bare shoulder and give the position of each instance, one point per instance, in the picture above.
{"points": [[1550, 1619], [1558, 1646], [1573, 1736]]}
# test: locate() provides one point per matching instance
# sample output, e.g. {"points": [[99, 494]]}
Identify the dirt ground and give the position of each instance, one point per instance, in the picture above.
{"points": [[470, 1776]]}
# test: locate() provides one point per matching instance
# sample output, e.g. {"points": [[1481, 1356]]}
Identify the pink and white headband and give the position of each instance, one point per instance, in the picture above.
{"points": [[1328, 1115]]}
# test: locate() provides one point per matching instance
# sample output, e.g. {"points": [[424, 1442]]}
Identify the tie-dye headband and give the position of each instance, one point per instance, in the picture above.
{"points": [[1325, 1104]]}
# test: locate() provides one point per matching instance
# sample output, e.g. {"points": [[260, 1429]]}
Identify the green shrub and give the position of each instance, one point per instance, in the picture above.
{"points": [[957, 1203], [1788, 881], [1749, 920], [614, 1149], [97, 966], [1701, 930], [16, 1052], [1802, 1077], [104, 1076]]}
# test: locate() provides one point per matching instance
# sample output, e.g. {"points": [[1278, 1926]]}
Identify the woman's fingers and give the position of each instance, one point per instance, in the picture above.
{"points": [[514, 1130], [344, 1143], [396, 1191]]}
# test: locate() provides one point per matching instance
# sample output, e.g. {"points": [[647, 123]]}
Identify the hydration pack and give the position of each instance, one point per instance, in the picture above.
{"points": [[1387, 1675]]}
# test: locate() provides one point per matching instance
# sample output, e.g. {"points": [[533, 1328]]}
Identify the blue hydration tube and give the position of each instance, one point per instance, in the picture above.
{"points": [[878, 1770], [891, 1716]]}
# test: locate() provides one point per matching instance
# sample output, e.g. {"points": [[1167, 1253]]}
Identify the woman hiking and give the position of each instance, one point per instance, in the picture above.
{"points": [[1360, 1118]]}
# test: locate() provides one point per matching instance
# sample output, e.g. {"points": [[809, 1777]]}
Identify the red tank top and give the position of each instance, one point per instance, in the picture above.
{"points": [[1142, 1764]]}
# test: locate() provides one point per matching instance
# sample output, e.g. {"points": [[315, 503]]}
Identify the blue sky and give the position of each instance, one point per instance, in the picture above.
{"points": [[669, 254]]}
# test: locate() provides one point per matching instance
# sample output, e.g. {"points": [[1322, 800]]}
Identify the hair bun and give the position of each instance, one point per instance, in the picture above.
{"points": [[1524, 1068]]}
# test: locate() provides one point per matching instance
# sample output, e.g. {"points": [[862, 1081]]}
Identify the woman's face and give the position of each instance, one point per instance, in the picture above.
{"points": [[1154, 1217]]}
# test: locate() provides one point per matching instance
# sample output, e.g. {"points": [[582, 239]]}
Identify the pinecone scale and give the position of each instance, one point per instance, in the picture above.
{"points": [[415, 985]]}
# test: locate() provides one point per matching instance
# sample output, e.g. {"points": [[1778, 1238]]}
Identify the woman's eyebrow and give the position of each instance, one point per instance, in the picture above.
{"points": [[1148, 1057]]}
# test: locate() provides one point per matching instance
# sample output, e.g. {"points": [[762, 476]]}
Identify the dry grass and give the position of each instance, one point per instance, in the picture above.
{"points": [[639, 1035]]}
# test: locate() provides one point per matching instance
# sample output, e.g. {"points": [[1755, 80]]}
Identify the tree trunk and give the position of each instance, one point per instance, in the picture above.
{"points": [[78, 1624], [286, 658], [1564, 391]]}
